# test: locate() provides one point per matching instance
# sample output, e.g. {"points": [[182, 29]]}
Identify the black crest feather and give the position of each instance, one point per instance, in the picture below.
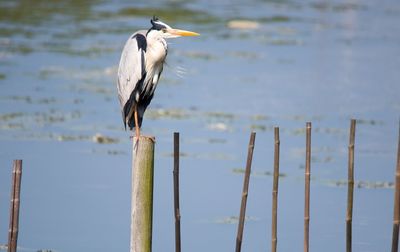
{"points": [[155, 18], [156, 24]]}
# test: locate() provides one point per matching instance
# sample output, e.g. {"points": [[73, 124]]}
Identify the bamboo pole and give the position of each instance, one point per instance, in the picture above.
{"points": [[14, 206], [350, 187], [274, 239], [245, 193], [396, 212], [307, 189], [176, 194], [142, 194]]}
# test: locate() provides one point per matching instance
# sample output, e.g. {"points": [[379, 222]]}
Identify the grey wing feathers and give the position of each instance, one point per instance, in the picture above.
{"points": [[131, 70]]}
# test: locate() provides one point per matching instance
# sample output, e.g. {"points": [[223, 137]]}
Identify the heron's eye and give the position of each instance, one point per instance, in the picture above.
{"points": [[164, 30]]}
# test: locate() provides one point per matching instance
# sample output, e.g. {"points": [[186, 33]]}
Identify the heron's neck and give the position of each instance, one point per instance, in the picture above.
{"points": [[155, 56], [157, 50]]}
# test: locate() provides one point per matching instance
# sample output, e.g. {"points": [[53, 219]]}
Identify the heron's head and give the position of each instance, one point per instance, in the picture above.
{"points": [[162, 30]]}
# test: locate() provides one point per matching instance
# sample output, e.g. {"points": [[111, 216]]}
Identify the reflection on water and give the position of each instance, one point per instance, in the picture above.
{"points": [[257, 65]]}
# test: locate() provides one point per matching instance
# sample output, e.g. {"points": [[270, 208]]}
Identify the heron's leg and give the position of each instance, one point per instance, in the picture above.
{"points": [[137, 129]]}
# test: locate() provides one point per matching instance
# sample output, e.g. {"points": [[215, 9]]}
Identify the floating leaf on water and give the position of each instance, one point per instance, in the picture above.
{"points": [[300, 131], [330, 130], [92, 76], [217, 140], [342, 7], [363, 184], [246, 55], [260, 127], [108, 152], [13, 126], [259, 117], [11, 116], [167, 113], [65, 138], [375, 184], [243, 24], [30, 100], [369, 122], [275, 19], [101, 139], [284, 41], [220, 115], [20, 48], [54, 116], [115, 152], [317, 159], [238, 170], [200, 55], [219, 126], [257, 173], [171, 154], [234, 219]]}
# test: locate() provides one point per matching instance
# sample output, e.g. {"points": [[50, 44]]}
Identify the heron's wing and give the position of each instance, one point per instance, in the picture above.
{"points": [[131, 70]]}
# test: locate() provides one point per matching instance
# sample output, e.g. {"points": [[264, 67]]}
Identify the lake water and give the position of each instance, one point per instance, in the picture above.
{"points": [[319, 61]]}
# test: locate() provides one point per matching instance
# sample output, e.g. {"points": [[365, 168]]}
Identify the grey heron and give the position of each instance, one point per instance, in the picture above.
{"points": [[140, 67]]}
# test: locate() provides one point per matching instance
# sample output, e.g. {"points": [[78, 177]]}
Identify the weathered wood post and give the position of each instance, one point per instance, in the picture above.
{"points": [[274, 239], [307, 189], [396, 211], [14, 206], [142, 194], [350, 186], [239, 236]]}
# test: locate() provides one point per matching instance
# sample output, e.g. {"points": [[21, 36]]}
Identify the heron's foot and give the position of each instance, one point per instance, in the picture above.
{"points": [[135, 146], [136, 139]]}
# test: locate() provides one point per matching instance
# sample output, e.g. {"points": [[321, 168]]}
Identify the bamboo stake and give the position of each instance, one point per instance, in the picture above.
{"points": [[142, 194], [350, 187], [14, 206], [396, 214], [274, 239], [307, 188], [245, 192], [176, 194]]}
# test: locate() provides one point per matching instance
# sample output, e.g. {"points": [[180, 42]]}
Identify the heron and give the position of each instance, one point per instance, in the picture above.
{"points": [[140, 68]]}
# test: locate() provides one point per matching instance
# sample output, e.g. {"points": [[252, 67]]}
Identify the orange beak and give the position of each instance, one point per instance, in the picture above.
{"points": [[184, 33]]}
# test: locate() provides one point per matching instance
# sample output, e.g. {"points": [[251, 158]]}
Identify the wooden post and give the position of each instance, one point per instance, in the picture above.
{"points": [[142, 194], [14, 206], [307, 189], [245, 192], [350, 187], [396, 212], [176, 194], [274, 239]]}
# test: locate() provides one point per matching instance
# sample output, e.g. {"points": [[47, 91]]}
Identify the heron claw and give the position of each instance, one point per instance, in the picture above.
{"points": [[136, 139]]}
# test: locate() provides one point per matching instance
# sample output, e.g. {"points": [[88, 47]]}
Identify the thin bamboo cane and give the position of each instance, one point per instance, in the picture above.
{"points": [[350, 187], [307, 189], [239, 236], [274, 239], [396, 212], [176, 194], [14, 206]]}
